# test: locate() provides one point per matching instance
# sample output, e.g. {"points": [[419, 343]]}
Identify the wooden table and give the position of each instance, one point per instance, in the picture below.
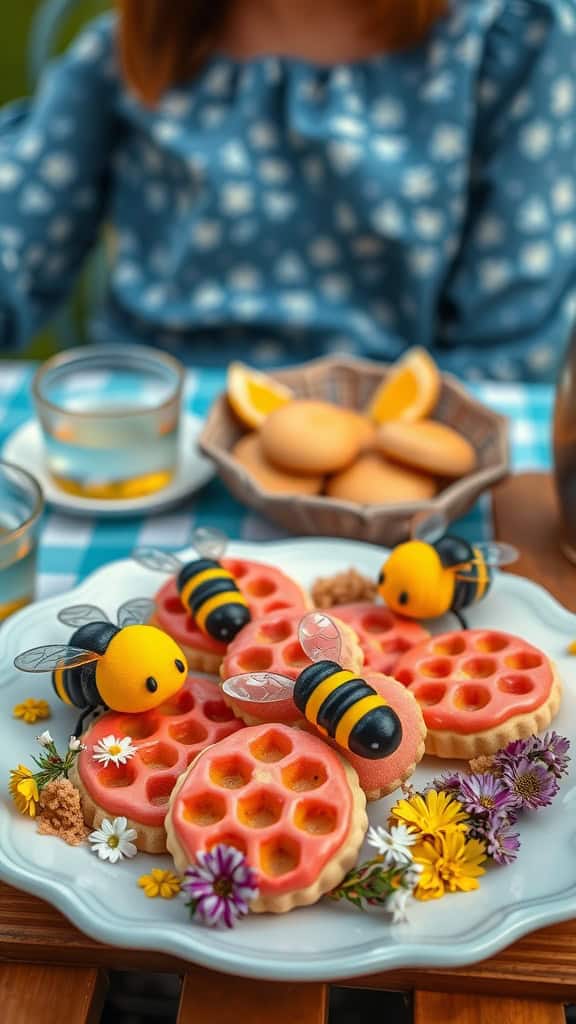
{"points": [[51, 973]]}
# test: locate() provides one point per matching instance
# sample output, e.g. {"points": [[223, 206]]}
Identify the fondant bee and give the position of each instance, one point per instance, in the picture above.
{"points": [[206, 588], [337, 702], [130, 667], [435, 572]]}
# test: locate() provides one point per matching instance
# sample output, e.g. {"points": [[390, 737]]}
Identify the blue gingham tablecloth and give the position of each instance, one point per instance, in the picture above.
{"points": [[73, 547]]}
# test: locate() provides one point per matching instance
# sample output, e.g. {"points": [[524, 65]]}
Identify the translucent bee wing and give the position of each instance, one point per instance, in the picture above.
{"points": [[135, 612], [259, 687], [52, 656], [209, 543], [156, 560], [320, 637], [495, 554], [429, 526], [81, 614]]}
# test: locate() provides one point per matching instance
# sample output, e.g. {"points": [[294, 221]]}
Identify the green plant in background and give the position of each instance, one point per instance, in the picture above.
{"points": [[16, 26]]}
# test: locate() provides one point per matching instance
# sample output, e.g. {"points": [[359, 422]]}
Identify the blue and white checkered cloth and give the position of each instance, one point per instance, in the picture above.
{"points": [[73, 547]]}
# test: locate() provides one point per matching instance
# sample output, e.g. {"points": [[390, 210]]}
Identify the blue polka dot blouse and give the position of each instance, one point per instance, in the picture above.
{"points": [[275, 210]]}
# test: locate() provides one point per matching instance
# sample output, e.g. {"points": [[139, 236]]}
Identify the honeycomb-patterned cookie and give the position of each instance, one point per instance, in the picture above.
{"points": [[382, 635], [479, 689], [167, 740], [272, 645], [266, 588], [284, 798]]}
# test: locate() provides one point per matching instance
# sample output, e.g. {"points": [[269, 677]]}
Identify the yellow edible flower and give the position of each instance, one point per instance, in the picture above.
{"points": [[32, 710], [449, 863], [432, 815], [160, 883], [24, 790]]}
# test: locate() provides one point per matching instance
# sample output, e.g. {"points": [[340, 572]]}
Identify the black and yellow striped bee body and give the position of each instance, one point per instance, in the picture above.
{"points": [[472, 574], [78, 686], [211, 594], [346, 708]]}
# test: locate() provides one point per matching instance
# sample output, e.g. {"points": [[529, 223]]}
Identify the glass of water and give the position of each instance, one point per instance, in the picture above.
{"points": [[20, 511], [110, 416]]}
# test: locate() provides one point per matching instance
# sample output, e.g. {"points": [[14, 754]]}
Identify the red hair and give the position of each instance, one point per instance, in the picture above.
{"points": [[162, 43]]}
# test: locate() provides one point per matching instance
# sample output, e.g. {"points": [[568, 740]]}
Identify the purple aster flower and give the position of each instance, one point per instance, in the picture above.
{"points": [[450, 783], [513, 752], [220, 886], [552, 751], [531, 785], [502, 844], [485, 795]]}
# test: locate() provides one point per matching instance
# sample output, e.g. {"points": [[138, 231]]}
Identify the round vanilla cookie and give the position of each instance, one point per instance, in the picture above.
{"points": [[312, 437], [248, 451], [427, 445], [373, 480]]}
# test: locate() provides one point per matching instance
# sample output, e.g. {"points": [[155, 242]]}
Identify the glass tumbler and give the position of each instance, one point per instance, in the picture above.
{"points": [[21, 507], [110, 416]]}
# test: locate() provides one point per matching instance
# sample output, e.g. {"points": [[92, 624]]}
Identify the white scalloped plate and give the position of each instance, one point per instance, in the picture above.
{"points": [[328, 941]]}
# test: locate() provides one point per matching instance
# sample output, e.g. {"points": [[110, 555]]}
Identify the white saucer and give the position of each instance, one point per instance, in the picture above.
{"points": [[25, 447]]}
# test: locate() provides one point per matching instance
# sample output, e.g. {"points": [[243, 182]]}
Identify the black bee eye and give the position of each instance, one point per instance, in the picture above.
{"points": [[403, 598], [180, 665], [151, 684], [382, 577]]}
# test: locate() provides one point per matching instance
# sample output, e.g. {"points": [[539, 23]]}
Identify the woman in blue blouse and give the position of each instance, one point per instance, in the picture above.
{"points": [[284, 179]]}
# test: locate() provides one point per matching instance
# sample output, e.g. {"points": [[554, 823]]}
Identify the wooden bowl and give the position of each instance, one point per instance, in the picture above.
{"points": [[351, 382]]}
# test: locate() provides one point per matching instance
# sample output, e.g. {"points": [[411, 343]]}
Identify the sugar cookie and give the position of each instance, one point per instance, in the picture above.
{"points": [[479, 689], [427, 445], [282, 796], [384, 775], [166, 739], [266, 588], [271, 644], [373, 480], [311, 437], [248, 451]]}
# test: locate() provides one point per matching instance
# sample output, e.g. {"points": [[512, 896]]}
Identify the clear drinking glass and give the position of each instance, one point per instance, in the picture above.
{"points": [[21, 506], [110, 417], [565, 451]]}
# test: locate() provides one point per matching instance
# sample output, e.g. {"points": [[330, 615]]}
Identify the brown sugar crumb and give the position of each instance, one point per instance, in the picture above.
{"points": [[484, 765], [61, 812], [343, 588]]}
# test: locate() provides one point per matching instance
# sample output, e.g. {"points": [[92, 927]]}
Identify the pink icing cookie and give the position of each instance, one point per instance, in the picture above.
{"points": [[271, 645], [479, 689], [267, 589], [283, 798], [167, 740], [382, 635], [378, 778]]}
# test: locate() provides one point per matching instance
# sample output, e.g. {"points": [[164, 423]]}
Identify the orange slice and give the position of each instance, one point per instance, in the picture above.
{"points": [[410, 391], [254, 395]]}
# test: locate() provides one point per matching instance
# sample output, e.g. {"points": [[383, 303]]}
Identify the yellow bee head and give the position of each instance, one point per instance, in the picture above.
{"points": [[413, 581], [142, 667]]}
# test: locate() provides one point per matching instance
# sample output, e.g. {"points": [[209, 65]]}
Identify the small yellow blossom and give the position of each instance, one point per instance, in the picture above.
{"points": [[432, 815], [32, 710], [160, 883], [24, 790], [572, 647], [449, 863]]}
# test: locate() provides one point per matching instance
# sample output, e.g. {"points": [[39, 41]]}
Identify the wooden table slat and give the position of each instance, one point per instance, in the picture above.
{"points": [[40, 994], [448, 1008], [209, 998]]}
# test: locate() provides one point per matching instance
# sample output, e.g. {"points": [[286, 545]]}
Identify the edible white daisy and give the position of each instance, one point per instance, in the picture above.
{"points": [[44, 739], [112, 749], [397, 904], [393, 846], [113, 840]]}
